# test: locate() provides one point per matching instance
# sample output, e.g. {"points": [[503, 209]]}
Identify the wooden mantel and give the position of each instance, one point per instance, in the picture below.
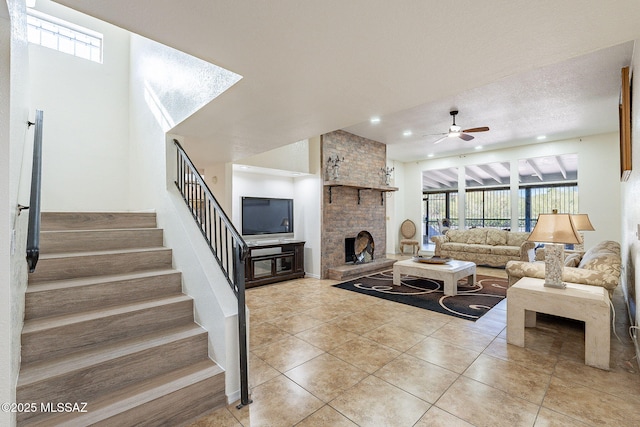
{"points": [[381, 188]]}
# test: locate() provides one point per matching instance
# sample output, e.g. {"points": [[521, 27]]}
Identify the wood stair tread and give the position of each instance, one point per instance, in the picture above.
{"points": [[41, 370], [94, 280], [107, 252], [83, 230], [39, 324], [96, 220], [133, 396]]}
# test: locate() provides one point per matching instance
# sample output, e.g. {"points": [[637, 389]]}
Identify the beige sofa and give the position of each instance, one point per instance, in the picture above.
{"points": [[484, 246], [599, 266]]}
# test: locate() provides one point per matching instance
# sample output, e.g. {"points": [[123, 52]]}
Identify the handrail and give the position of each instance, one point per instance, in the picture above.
{"points": [[224, 241], [33, 231]]}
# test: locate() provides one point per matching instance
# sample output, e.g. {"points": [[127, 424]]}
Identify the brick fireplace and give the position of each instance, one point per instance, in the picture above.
{"points": [[353, 202]]}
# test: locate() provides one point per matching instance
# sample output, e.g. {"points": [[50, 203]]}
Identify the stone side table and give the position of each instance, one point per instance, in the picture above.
{"points": [[586, 303]]}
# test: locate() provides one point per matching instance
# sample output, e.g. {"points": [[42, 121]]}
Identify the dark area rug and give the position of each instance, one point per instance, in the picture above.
{"points": [[471, 302]]}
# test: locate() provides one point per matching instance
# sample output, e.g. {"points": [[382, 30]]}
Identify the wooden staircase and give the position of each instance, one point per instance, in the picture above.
{"points": [[106, 323]]}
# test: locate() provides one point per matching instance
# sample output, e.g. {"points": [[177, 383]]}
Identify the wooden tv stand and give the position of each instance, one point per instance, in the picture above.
{"points": [[273, 261]]}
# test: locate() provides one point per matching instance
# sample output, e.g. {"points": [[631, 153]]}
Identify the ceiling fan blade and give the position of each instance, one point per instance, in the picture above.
{"points": [[480, 129], [439, 140], [465, 137]]}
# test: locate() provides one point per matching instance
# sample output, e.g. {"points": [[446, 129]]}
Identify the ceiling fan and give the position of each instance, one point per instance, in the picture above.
{"points": [[456, 130]]}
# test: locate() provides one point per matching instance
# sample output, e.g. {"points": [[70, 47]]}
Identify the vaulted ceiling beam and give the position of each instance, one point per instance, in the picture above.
{"points": [[563, 170], [435, 176], [473, 176], [451, 174], [506, 166], [426, 182], [536, 169], [487, 169]]}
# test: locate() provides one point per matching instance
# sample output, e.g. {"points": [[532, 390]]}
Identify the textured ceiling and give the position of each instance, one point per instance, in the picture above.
{"points": [[311, 67], [574, 98]]}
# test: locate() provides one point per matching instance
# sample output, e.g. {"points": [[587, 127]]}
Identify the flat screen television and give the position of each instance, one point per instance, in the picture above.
{"points": [[262, 215]]}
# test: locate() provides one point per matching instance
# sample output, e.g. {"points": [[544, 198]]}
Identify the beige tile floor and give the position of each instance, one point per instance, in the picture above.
{"points": [[322, 356]]}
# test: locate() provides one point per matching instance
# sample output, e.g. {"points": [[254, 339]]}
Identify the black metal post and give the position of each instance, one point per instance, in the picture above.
{"points": [[242, 326]]}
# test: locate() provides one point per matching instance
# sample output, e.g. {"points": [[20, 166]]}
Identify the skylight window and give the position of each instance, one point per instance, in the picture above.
{"points": [[63, 36]]}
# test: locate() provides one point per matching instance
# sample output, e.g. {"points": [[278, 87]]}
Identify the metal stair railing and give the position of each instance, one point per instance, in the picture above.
{"points": [[33, 229], [226, 244]]}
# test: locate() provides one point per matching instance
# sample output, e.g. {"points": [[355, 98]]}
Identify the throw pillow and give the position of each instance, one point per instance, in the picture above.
{"points": [[516, 238], [496, 237], [457, 236], [572, 260], [477, 236]]}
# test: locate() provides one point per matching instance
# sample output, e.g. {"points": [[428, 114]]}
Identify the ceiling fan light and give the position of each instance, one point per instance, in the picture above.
{"points": [[454, 134]]}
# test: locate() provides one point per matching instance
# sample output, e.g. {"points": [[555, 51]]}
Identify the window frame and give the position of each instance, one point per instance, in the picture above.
{"points": [[59, 30]]}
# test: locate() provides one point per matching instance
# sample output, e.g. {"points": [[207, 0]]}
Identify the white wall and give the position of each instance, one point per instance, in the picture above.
{"points": [[395, 208], [7, 323], [630, 206], [86, 115], [598, 181], [14, 113], [308, 214], [293, 157], [218, 178], [308, 190]]}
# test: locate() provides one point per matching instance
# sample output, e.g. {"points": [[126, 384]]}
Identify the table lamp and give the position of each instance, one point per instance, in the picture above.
{"points": [[558, 230], [582, 223]]}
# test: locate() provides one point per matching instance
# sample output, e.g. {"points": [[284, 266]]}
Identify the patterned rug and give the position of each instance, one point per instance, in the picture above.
{"points": [[471, 302]]}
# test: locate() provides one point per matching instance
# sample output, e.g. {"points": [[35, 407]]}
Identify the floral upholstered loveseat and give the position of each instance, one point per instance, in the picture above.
{"points": [[484, 246], [599, 266]]}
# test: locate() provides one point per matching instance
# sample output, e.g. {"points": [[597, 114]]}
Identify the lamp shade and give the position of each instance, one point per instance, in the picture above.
{"points": [[582, 223], [555, 228]]}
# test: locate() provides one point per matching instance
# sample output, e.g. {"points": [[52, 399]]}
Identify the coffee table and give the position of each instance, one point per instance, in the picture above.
{"points": [[449, 273]]}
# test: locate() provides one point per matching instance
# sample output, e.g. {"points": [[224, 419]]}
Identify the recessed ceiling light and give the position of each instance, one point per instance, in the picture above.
{"points": [[478, 147], [430, 155], [296, 174], [541, 137], [244, 167], [375, 120], [407, 133]]}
